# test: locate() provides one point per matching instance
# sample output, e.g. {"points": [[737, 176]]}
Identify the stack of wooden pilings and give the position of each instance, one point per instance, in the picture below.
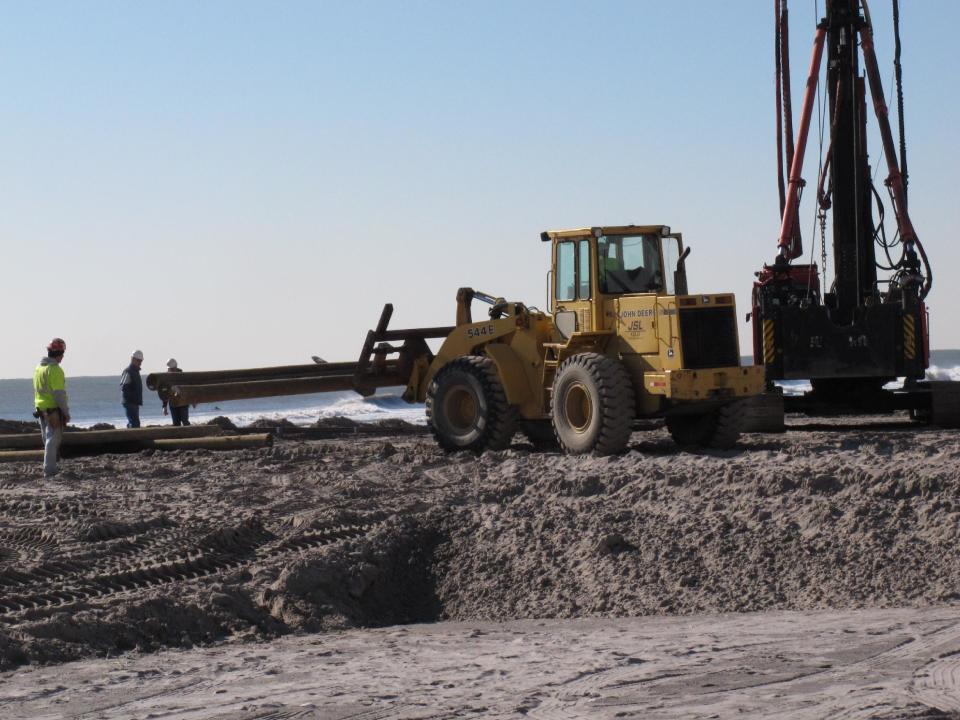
{"points": [[29, 446]]}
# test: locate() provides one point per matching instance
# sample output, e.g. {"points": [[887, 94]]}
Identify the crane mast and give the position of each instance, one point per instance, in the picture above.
{"points": [[855, 266]]}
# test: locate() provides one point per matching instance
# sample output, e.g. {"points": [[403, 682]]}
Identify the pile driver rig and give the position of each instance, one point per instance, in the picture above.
{"points": [[870, 326]]}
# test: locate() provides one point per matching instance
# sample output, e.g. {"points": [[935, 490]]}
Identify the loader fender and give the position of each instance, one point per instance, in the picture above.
{"points": [[463, 340], [511, 371]]}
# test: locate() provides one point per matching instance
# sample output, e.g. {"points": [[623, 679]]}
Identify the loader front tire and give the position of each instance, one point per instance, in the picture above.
{"points": [[467, 408], [718, 429], [592, 405]]}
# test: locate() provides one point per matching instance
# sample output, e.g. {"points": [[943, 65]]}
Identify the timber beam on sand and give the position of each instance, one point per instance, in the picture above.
{"points": [[20, 455], [158, 381], [29, 441], [219, 392], [222, 442]]}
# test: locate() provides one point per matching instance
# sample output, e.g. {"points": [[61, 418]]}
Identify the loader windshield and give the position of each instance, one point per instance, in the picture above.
{"points": [[629, 263]]}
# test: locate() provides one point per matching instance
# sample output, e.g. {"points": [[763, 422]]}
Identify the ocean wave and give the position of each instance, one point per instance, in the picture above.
{"points": [[375, 408], [358, 409], [943, 373]]}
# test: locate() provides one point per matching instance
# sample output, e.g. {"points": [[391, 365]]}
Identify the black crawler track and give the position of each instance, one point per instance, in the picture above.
{"points": [[55, 585]]}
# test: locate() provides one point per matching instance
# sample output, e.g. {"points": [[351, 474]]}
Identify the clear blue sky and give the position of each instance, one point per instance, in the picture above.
{"points": [[242, 184]]}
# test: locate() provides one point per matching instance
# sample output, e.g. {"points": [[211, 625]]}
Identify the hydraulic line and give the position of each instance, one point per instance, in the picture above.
{"points": [[787, 94], [894, 180], [788, 107], [899, 72], [788, 242], [777, 49]]}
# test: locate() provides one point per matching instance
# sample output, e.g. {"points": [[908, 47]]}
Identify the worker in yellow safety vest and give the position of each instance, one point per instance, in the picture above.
{"points": [[50, 402]]}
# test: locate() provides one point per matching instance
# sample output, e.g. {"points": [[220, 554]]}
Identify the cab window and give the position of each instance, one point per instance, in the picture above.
{"points": [[566, 272], [630, 264], [583, 270], [671, 256]]}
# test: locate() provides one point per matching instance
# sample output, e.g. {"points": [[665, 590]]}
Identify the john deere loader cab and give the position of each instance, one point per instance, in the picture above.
{"points": [[630, 260]]}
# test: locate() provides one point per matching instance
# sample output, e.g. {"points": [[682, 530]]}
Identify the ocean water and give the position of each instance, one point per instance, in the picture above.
{"points": [[97, 400]]}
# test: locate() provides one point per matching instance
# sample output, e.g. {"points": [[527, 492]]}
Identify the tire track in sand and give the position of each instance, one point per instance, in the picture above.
{"points": [[222, 550], [937, 684], [876, 671]]}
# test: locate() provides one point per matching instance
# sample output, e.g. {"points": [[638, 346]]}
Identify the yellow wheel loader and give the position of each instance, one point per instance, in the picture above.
{"points": [[622, 340]]}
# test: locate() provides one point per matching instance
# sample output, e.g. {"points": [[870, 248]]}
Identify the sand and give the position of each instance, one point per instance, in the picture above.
{"points": [[891, 664], [541, 584]]}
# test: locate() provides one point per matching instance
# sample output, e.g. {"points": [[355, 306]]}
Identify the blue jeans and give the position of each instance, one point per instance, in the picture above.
{"points": [[51, 442], [133, 415]]}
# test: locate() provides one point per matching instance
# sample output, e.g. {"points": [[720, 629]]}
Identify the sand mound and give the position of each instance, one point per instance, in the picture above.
{"points": [[269, 423], [222, 422], [145, 551], [335, 422], [674, 533]]}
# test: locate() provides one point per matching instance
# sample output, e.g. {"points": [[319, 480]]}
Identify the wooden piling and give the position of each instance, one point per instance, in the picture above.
{"points": [[27, 441], [220, 392], [156, 381], [222, 442]]}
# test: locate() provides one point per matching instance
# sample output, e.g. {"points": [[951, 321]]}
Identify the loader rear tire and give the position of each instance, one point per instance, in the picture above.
{"points": [[718, 430], [592, 405], [467, 408]]}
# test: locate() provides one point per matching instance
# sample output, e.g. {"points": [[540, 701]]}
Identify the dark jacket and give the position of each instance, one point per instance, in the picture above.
{"points": [[131, 386], [166, 400]]}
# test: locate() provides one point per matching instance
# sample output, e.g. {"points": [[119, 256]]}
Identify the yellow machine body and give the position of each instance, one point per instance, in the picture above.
{"points": [[619, 291]]}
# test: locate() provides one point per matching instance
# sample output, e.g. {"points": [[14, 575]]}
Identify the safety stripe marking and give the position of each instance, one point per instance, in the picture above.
{"points": [[769, 348], [909, 337]]}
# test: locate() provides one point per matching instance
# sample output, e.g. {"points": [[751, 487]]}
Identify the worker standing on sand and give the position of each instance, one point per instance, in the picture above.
{"points": [[180, 415], [131, 389], [50, 403]]}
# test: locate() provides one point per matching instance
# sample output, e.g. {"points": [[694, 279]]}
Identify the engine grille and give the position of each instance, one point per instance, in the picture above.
{"points": [[708, 336]]}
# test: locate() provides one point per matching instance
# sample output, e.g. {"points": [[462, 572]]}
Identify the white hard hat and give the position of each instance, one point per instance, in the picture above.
{"points": [[137, 355], [171, 363]]}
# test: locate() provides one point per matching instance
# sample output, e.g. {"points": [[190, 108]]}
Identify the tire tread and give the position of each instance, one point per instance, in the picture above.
{"points": [[502, 418], [616, 393]]}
